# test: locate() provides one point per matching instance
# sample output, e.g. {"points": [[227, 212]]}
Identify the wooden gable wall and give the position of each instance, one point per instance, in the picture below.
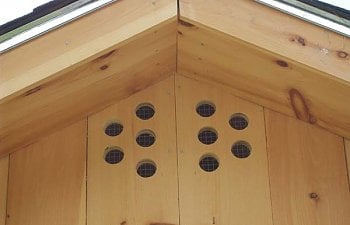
{"points": [[290, 77]]}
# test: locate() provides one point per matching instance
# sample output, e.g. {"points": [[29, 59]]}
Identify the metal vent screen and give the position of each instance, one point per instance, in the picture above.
{"points": [[209, 163], [239, 121], [145, 111], [114, 156], [146, 169], [241, 149], [205, 109], [114, 129], [207, 136], [146, 138]]}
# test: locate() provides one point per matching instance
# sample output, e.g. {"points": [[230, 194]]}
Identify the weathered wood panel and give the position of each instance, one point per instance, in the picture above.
{"points": [[123, 70], [238, 191], [264, 78], [47, 182], [3, 188], [309, 183], [116, 193]]}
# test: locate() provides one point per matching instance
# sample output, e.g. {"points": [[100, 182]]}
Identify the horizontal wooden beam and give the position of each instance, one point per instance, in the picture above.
{"points": [[114, 74], [263, 77], [76, 43], [275, 31]]}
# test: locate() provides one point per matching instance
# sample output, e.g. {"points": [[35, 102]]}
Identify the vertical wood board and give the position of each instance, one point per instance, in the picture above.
{"points": [[116, 193], [308, 173], [347, 152], [47, 183], [238, 191], [3, 188]]}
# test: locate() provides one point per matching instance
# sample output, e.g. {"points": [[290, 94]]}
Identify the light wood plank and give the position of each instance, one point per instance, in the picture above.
{"points": [[47, 182], [304, 159], [238, 191], [3, 188], [76, 43], [264, 78], [275, 31], [116, 194], [127, 68]]}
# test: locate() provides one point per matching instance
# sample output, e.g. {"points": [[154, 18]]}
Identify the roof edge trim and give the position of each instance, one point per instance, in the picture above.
{"points": [[308, 16], [41, 29]]}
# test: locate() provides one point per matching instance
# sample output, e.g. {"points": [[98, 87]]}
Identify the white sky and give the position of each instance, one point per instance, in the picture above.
{"points": [[12, 9], [340, 3]]}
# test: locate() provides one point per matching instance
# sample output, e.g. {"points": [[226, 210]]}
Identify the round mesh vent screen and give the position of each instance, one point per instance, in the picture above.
{"points": [[207, 136], [114, 129], [145, 111], [205, 109], [239, 121], [114, 155], [241, 149], [146, 169], [145, 138], [208, 163]]}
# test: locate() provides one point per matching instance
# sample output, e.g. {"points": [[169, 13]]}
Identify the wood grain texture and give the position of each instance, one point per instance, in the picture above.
{"points": [[116, 193], [121, 71], [264, 78], [282, 34], [304, 159], [47, 182], [3, 188], [238, 191], [78, 42]]}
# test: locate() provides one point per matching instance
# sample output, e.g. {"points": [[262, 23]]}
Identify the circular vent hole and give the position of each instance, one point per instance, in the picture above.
{"points": [[241, 149], [207, 136], [146, 169], [114, 155], [145, 111], [205, 109], [146, 138], [114, 129], [209, 163], [239, 121]]}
